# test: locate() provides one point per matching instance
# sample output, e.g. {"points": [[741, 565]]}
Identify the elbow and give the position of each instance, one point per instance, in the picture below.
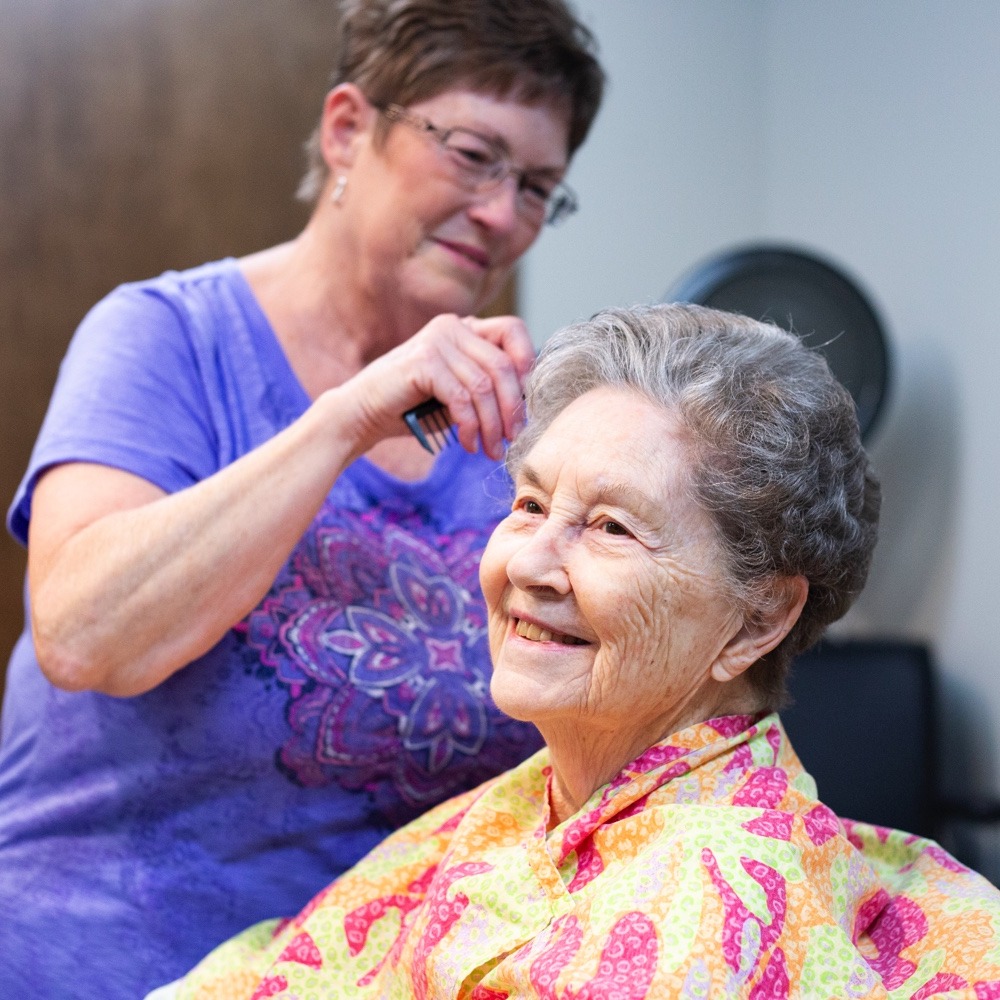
{"points": [[63, 641], [63, 663], [67, 654], [85, 660]]}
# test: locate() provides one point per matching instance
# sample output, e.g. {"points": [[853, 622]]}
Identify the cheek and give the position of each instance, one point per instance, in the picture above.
{"points": [[646, 629], [492, 571], [520, 243], [493, 582], [632, 606]]}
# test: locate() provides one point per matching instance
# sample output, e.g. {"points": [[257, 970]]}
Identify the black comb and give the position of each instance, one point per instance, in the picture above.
{"points": [[428, 423]]}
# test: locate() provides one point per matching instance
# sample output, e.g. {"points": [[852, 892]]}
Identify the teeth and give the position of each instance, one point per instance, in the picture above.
{"points": [[528, 630]]}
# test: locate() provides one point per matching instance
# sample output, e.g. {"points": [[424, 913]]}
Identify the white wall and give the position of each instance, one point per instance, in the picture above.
{"points": [[673, 166], [869, 132]]}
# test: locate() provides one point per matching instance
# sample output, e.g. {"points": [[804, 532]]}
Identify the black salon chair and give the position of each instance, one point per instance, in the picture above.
{"points": [[863, 721]]}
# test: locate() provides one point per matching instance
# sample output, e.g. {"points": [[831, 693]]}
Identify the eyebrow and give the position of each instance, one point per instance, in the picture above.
{"points": [[557, 172]]}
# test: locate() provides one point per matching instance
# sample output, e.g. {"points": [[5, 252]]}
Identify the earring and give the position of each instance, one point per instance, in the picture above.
{"points": [[338, 189]]}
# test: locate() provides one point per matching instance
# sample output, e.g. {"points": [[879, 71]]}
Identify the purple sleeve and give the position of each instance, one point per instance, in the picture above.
{"points": [[130, 394]]}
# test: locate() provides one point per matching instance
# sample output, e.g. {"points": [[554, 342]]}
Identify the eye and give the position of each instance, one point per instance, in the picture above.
{"points": [[527, 506], [475, 157], [537, 190], [614, 528], [470, 151]]}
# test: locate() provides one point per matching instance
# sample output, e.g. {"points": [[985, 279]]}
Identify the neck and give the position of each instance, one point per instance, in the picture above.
{"points": [[321, 317], [584, 757], [584, 761]]}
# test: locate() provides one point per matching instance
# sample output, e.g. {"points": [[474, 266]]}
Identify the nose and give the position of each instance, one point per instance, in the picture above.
{"points": [[539, 564], [497, 208]]}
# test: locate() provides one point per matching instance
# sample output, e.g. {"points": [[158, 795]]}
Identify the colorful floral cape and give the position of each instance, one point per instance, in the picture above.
{"points": [[707, 868]]}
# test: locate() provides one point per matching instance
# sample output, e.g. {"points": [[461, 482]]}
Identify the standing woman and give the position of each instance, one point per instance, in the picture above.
{"points": [[256, 641]]}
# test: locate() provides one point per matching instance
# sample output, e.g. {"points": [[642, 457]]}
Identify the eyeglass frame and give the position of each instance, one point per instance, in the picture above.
{"points": [[559, 204]]}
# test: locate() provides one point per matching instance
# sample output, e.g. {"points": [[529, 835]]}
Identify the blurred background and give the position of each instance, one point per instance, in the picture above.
{"points": [[141, 135]]}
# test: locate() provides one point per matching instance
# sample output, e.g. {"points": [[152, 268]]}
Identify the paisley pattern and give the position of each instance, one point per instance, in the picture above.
{"points": [[376, 631], [705, 869]]}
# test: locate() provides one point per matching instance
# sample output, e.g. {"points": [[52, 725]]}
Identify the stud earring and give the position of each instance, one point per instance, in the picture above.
{"points": [[338, 189]]}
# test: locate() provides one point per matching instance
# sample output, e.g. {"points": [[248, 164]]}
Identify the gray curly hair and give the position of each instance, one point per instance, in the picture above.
{"points": [[776, 454]]}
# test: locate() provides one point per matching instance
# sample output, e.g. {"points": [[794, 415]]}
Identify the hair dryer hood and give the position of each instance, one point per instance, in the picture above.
{"points": [[809, 297]]}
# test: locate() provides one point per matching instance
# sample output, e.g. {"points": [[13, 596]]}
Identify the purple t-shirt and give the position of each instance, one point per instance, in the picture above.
{"points": [[137, 833]]}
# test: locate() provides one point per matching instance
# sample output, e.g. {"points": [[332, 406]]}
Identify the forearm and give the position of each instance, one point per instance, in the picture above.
{"points": [[137, 594]]}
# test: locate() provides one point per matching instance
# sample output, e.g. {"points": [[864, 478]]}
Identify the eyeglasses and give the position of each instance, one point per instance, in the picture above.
{"points": [[479, 164]]}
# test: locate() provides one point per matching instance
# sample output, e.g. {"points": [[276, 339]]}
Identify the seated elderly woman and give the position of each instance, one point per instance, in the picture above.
{"points": [[692, 507]]}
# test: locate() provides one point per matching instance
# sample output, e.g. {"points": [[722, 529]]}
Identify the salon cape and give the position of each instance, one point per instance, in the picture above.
{"points": [[706, 868]]}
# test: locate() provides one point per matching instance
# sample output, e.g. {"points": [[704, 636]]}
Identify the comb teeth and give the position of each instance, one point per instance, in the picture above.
{"points": [[428, 423]]}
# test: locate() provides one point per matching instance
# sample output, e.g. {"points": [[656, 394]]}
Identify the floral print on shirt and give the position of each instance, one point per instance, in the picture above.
{"points": [[376, 629]]}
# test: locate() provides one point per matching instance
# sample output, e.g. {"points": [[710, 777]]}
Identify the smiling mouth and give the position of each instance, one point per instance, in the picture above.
{"points": [[474, 254], [535, 633]]}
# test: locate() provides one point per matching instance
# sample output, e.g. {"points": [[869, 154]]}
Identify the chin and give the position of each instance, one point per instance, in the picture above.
{"points": [[445, 293], [514, 697]]}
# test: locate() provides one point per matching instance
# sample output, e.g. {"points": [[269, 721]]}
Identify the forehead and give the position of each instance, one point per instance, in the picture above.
{"points": [[613, 438]]}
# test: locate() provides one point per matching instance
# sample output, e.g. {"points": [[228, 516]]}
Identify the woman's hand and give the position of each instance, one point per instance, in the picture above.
{"points": [[475, 367]]}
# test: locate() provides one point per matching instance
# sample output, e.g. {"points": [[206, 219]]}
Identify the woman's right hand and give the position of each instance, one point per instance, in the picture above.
{"points": [[128, 584], [475, 367]]}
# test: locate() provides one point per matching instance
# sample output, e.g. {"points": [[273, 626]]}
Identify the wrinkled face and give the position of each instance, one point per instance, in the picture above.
{"points": [[605, 584], [425, 239]]}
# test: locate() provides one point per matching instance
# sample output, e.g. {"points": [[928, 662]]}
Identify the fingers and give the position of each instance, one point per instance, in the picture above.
{"points": [[476, 368], [509, 334], [482, 392], [491, 366]]}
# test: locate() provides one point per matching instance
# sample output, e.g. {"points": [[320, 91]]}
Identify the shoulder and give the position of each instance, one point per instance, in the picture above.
{"points": [[178, 300], [162, 321]]}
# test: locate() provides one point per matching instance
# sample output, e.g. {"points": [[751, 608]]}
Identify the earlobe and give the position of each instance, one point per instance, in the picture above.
{"points": [[755, 640], [345, 118]]}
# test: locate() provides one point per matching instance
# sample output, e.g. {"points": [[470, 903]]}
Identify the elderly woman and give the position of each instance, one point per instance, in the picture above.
{"points": [[692, 506], [257, 643]]}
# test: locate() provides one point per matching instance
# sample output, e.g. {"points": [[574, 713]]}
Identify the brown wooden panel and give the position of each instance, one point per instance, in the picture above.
{"points": [[135, 136]]}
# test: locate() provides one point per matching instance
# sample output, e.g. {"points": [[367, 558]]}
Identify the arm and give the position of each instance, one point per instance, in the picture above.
{"points": [[128, 583]]}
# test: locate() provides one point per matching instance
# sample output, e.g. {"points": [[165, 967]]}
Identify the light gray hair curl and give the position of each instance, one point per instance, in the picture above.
{"points": [[776, 454]]}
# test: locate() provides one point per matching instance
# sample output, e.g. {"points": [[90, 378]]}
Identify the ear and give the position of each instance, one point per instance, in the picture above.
{"points": [[344, 122], [757, 639]]}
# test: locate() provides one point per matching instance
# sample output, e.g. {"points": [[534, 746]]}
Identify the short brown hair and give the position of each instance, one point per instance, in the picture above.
{"points": [[404, 51]]}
